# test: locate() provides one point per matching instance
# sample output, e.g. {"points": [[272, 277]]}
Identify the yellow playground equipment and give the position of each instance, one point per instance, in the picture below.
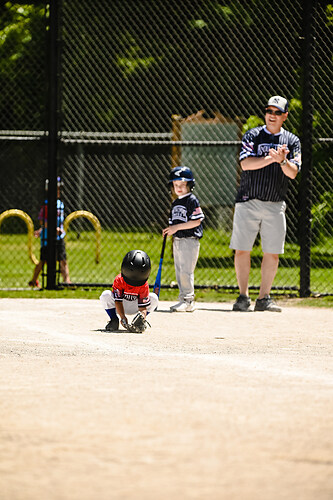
{"points": [[95, 222], [74, 215], [14, 212]]}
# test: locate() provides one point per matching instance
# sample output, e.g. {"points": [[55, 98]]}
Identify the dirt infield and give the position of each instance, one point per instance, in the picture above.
{"points": [[207, 405]]}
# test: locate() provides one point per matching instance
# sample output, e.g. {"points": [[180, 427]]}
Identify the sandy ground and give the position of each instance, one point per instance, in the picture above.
{"points": [[207, 405]]}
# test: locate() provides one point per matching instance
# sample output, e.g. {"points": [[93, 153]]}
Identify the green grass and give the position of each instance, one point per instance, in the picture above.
{"points": [[215, 265]]}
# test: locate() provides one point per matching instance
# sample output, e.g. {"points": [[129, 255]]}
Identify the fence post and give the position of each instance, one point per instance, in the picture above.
{"points": [[176, 151], [309, 9], [52, 145]]}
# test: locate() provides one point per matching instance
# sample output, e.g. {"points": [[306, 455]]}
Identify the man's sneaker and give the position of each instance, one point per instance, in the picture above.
{"points": [[242, 303], [266, 304], [183, 306], [113, 325]]}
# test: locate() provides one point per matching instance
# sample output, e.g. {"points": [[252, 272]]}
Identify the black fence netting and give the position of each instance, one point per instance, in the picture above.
{"points": [[140, 87]]}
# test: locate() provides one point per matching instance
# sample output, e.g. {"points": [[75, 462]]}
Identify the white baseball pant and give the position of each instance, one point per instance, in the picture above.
{"points": [[130, 307], [185, 254]]}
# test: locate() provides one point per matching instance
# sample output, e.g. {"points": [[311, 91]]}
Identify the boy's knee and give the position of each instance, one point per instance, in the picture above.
{"points": [[105, 298], [153, 302]]}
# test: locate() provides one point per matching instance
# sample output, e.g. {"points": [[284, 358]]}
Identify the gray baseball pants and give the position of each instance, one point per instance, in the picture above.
{"points": [[185, 254]]}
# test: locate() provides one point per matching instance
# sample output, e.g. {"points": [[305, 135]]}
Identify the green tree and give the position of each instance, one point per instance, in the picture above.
{"points": [[23, 69]]}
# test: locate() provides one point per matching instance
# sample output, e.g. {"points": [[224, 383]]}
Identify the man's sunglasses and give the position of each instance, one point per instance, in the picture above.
{"points": [[272, 112]]}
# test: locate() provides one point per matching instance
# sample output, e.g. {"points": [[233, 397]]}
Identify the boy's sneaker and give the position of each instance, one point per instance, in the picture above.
{"points": [[113, 325], [266, 304], [190, 306], [242, 303], [179, 307], [183, 306]]}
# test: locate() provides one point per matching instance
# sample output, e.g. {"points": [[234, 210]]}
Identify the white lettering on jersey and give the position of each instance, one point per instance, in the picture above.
{"points": [[263, 149], [179, 213]]}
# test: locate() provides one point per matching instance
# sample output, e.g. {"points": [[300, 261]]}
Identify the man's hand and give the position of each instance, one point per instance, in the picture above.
{"points": [[278, 155]]}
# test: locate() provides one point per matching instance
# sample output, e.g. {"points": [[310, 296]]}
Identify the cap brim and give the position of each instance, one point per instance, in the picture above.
{"points": [[275, 106]]}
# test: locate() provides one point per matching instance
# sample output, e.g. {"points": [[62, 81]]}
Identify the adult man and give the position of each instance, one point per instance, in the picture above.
{"points": [[269, 157]]}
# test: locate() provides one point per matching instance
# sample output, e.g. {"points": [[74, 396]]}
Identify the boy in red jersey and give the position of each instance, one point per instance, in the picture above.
{"points": [[130, 291]]}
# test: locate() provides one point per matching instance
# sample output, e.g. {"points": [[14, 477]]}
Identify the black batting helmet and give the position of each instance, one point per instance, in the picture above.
{"points": [[182, 174], [135, 268]]}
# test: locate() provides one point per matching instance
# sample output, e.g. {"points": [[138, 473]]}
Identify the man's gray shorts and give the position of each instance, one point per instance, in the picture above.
{"points": [[266, 217]]}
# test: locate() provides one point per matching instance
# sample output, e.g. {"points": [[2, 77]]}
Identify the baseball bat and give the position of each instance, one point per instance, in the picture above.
{"points": [[157, 285]]}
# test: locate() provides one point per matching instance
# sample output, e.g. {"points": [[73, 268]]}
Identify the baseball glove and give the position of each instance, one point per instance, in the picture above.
{"points": [[139, 324]]}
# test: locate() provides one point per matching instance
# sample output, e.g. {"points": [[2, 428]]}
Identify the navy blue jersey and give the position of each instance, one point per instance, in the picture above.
{"points": [[268, 183], [184, 209]]}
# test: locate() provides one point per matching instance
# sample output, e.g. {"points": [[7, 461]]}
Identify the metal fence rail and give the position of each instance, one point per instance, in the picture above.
{"points": [[111, 95]]}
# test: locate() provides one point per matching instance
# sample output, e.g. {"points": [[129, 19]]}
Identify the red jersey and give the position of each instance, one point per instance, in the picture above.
{"points": [[123, 291]]}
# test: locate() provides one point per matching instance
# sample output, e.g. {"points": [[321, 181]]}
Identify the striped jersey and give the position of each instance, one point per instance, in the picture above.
{"points": [[268, 183], [184, 209]]}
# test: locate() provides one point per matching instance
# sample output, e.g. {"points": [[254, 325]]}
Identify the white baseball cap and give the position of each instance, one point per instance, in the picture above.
{"points": [[279, 102]]}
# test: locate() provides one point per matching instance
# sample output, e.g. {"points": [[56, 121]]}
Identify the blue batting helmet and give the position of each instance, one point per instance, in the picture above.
{"points": [[182, 174]]}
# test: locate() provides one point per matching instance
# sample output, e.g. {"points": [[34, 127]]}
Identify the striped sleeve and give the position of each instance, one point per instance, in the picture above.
{"points": [[294, 146], [247, 147], [196, 211]]}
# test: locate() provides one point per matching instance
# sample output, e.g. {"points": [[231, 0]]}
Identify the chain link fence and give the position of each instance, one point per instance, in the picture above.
{"points": [[144, 86]]}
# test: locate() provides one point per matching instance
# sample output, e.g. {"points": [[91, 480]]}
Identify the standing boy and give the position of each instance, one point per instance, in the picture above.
{"points": [[269, 157], [185, 223]]}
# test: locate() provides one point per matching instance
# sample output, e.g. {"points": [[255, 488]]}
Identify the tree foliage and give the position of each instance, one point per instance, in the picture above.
{"points": [[22, 65]]}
